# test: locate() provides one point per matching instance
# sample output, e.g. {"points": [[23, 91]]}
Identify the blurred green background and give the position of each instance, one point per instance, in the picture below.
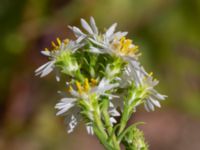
{"points": [[168, 33]]}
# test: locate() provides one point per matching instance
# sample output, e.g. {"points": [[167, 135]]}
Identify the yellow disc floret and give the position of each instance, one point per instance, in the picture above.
{"points": [[79, 87], [58, 41], [93, 81], [57, 45], [66, 41], [125, 47], [85, 86]]}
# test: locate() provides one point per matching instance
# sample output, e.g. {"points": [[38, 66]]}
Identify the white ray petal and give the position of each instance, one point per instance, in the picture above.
{"points": [[93, 25], [97, 43], [86, 26], [63, 108], [96, 50], [111, 30], [46, 53], [155, 102], [112, 120], [150, 105], [146, 107], [114, 112], [89, 129], [80, 38], [47, 70], [42, 67], [77, 31], [118, 35]]}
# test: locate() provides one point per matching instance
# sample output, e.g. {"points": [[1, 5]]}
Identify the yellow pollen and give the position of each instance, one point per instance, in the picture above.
{"points": [[86, 85], [46, 49], [58, 41], [127, 44], [93, 81], [122, 40], [66, 41], [126, 47], [54, 45], [135, 48], [78, 85], [151, 73]]}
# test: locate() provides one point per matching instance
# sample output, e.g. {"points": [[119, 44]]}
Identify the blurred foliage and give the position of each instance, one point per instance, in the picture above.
{"points": [[167, 32]]}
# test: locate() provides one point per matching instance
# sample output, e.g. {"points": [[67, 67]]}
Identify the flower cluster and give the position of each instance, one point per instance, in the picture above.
{"points": [[103, 76]]}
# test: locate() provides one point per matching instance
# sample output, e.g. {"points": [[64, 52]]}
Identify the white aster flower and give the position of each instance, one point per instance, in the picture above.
{"points": [[64, 46], [133, 72], [86, 90], [110, 42], [144, 81], [67, 106], [93, 35], [152, 97]]}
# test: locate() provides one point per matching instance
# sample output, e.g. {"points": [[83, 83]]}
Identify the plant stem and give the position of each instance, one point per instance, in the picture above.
{"points": [[110, 130], [124, 119], [108, 139]]}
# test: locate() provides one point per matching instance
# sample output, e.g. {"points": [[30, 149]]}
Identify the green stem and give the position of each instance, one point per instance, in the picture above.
{"points": [[128, 109], [110, 129], [102, 139], [108, 139], [124, 119], [99, 124]]}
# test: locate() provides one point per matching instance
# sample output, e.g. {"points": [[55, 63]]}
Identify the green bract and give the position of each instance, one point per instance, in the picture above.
{"points": [[105, 80]]}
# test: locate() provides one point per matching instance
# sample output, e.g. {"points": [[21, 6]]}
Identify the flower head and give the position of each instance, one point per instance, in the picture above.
{"points": [[152, 97], [93, 35], [83, 92], [124, 47], [60, 53]]}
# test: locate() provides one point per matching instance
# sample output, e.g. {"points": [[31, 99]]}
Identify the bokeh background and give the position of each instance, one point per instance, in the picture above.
{"points": [[168, 33]]}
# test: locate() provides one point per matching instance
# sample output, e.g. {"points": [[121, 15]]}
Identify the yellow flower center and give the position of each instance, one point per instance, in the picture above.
{"points": [[57, 44], [125, 47], [84, 87]]}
